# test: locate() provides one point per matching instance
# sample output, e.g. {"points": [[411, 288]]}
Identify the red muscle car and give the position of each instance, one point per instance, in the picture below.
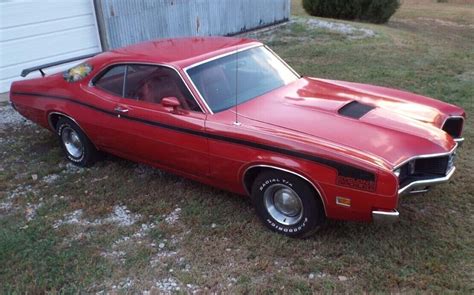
{"points": [[230, 113]]}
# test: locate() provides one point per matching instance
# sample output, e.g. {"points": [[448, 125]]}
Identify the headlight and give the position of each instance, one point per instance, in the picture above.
{"points": [[451, 162], [397, 172]]}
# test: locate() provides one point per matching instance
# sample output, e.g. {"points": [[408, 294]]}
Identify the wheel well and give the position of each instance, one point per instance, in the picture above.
{"points": [[250, 176], [252, 172], [53, 119]]}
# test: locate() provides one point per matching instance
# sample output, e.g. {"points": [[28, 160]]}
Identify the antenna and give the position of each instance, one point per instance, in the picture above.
{"points": [[237, 123]]}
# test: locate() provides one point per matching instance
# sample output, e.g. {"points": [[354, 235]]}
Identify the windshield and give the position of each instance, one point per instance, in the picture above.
{"points": [[239, 77]]}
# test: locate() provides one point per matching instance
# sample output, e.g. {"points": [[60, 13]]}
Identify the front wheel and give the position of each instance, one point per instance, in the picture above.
{"points": [[287, 204], [78, 148]]}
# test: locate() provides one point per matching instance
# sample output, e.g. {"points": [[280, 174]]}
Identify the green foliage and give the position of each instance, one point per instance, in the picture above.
{"points": [[375, 11], [35, 260]]}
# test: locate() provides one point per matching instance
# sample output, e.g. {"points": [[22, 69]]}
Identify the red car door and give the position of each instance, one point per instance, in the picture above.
{"points": [[104, 125], [141, 128]]}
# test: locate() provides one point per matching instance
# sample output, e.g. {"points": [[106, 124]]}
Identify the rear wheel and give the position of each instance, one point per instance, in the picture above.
{"points": [[287, 204], [78, 148]]}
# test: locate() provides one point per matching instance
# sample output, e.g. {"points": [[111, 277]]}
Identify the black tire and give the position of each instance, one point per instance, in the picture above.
{"points": [[87, 154], [270, 186]]}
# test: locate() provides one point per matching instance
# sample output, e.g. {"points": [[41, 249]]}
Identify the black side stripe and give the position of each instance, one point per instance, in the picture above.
{"points": [[344, 170]]}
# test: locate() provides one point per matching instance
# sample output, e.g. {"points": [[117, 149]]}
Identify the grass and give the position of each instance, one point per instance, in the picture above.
{"points": [[216, 243]]}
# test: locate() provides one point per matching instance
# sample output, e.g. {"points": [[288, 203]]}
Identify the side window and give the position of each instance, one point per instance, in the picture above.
{"points": [[113, 80], [153, 83]]}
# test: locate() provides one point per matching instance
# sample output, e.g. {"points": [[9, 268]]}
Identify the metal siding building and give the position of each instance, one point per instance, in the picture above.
{"points": [[131, 21], [36, 32]]}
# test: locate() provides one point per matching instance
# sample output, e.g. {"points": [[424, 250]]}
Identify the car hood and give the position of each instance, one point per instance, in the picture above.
{"points": [[392, 126]]}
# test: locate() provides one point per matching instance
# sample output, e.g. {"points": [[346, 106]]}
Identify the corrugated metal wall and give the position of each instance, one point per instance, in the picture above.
{"points": [[125, 22]]}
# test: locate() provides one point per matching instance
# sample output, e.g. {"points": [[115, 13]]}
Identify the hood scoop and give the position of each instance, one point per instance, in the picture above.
{"points": [[355, 110]]}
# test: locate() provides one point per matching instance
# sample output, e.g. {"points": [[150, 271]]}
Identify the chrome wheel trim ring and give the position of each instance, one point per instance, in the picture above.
{"points": [[283, 204], [72, 142]]}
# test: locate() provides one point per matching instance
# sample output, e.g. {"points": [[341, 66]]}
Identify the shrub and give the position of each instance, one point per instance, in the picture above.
{"points": [[376, 11]]}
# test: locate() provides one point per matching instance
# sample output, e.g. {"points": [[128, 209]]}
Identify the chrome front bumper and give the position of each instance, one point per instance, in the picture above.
{"points": [[412, 188], [459, 141], [422, 186], [386, 217]]}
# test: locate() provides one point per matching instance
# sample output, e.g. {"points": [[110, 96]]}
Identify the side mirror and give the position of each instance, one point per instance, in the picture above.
{"points": [[170, 102]]}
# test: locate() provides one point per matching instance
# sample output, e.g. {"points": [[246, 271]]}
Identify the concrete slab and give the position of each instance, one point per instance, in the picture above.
{"points": [[4, 97]]}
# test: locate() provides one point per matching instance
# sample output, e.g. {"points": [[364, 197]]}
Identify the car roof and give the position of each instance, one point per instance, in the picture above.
{"points": [[181, 52]]}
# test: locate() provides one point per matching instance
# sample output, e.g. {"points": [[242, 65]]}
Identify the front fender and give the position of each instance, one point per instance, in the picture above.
{"points": [[324, 181]]}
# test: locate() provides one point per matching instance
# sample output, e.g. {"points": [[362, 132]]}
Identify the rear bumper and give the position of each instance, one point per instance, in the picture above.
{"points": [[385, 216], [422, 186]]}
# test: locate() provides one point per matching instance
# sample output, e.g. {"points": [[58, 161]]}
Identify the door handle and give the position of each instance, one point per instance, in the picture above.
{"points": [[121, 110]]}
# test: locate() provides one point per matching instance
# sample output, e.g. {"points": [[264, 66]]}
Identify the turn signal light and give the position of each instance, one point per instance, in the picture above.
{"points": [[345, 202]]}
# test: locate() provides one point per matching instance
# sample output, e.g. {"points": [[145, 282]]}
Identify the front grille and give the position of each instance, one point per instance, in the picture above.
{"points": [[425, 168], [437, 165], [453, 126]]}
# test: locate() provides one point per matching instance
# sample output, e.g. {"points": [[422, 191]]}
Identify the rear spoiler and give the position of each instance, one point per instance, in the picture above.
{"points": [[26, 72]]}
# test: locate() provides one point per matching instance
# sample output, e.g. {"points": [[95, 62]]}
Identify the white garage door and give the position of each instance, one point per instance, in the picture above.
{"points": [[36, 32]]}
